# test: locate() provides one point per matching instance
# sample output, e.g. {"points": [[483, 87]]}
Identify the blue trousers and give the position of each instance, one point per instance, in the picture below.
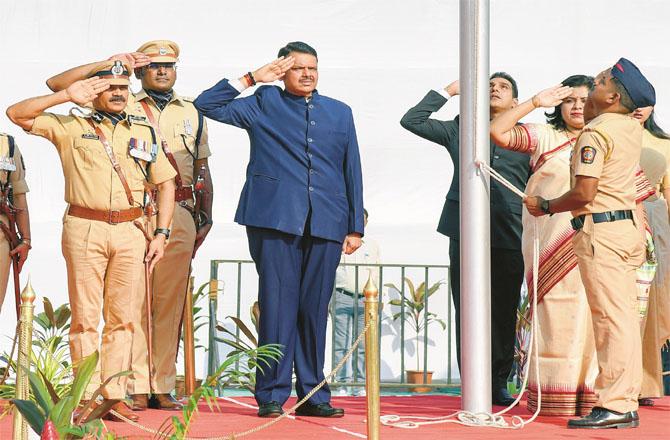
{"points": [[296, 276]]}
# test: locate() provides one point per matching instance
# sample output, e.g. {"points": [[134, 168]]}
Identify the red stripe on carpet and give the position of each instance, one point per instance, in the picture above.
{"points": [[238, 414]]}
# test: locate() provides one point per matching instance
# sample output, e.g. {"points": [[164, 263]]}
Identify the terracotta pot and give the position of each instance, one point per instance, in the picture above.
{"points": [[416, 376], [180, 387]]}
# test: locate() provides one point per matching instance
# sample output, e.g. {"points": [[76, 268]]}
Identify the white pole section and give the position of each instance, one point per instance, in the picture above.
{"points": [[474, 205]]}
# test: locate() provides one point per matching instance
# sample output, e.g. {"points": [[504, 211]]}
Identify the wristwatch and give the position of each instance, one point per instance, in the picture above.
{"points": [[544, 206], [164, 231]]}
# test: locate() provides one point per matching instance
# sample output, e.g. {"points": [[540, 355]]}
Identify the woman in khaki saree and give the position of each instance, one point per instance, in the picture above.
{"points": [[655, 161], [567, 354]]}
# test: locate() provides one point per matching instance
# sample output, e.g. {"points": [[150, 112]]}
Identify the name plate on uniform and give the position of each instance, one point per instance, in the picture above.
{"points": [[7, 164], [142, 150]]}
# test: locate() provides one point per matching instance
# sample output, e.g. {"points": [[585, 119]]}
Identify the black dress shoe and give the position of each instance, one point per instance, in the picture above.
{"points": [[270, 410], [502, 397], [601, 418], [320, 410]]}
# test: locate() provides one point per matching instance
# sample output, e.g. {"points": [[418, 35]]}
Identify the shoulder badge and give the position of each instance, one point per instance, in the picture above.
{"points": [[588, 155]]}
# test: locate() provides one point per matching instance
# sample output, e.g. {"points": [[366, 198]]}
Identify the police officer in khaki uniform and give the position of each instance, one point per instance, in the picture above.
{"points": [[106, 158], [13, 189], [184, 133], [608, 244]]}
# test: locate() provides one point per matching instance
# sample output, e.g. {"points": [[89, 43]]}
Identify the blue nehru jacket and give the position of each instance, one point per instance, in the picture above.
{"points": [[303, 155]]}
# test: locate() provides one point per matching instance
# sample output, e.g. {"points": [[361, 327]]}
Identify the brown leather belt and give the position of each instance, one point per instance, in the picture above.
{"points": [[183, 193], [111, 217]]}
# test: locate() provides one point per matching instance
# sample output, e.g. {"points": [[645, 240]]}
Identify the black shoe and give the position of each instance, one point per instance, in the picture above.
{"points": [[270, 410], [601, 418], [502, 397], [320, 410]]}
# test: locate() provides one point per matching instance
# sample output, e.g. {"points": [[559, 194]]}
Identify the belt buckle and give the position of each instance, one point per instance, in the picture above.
{"points": [[114, 217]]}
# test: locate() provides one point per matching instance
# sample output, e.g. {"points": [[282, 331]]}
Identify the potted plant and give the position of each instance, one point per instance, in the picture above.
{"points": [[412, 311]]}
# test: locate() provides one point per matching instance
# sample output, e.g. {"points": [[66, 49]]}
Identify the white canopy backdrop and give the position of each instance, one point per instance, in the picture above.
{"points": [[379, 56]]}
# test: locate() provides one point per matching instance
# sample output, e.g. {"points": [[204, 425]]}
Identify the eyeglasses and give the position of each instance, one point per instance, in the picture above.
{"points": [[166, 66]]}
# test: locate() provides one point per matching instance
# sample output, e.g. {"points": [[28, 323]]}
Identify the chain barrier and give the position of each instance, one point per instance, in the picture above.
{"points": [[327, 379]]}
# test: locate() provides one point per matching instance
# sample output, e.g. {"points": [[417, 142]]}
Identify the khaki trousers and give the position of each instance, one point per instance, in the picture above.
{"points": [[170, 280], [104, 266], [608, 255]]}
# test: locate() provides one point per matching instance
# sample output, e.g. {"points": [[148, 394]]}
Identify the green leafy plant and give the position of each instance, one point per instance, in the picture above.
{"points": [[414, 312], [176, 428], [245, 375], [50, 354], [50, 407]]}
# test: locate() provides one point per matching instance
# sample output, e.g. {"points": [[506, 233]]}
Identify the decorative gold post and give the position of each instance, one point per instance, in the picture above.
{"points": [[189, 344], [23, 361], [372, 357]]}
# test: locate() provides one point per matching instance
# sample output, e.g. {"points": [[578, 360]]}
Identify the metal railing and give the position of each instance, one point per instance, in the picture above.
{"points": [[238, 273]]}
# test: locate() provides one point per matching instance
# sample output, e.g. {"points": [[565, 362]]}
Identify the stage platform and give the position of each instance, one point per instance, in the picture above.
{"points": [[237, 414]]}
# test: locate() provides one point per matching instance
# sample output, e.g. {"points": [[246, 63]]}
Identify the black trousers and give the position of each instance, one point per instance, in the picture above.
{"points": [[506, 279]]}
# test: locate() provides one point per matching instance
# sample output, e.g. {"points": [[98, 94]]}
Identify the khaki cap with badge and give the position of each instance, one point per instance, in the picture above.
{"points": [[116, 72], [161, 51]]}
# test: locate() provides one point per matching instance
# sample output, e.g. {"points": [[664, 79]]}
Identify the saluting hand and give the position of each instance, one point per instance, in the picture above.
{"points": [[454, 88], [552, 96], [85, 91], [20, 252], [273, 71], [351, 243], [135, 60], [533, 204]]}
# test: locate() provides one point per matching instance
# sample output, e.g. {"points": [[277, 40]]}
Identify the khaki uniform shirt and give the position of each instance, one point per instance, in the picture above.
{"points": [[609, 149], [18, 176], [90, 179], [178, 123]]}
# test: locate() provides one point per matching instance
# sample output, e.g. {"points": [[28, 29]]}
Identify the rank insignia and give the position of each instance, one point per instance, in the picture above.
{"points": [[588, 155]]}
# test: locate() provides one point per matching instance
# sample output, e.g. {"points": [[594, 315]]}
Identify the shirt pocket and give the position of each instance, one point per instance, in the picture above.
{"points": [[87, 154], [182, 137]]}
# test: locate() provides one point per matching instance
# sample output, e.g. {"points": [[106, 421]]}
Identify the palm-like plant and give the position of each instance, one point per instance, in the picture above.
{"points": [[175, 428], [52, 409], [414, 312], [245, 375], [50, 354]]}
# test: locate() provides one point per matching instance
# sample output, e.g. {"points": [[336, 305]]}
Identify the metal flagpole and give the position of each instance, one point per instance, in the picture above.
{"points": [[474, 206]]}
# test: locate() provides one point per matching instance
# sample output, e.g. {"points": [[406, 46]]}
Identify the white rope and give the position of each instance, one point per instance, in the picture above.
{"points": [[495, 420]]}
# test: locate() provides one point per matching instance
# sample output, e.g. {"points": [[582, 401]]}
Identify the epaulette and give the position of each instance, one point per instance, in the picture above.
{"points": [[187, 98]]}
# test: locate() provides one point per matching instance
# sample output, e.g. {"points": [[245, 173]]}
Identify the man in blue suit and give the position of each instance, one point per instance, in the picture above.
{"points": [[302, 204]]}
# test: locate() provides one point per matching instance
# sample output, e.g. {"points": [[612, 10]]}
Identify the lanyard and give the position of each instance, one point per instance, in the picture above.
{"points": [[112, 159], [164, 145]]}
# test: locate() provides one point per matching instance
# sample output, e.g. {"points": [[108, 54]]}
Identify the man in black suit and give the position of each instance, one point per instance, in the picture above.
{"points": [[506, 258]]}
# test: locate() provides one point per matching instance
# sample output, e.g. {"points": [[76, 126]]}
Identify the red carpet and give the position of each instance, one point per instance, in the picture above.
{"points": [[238, 414]]}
